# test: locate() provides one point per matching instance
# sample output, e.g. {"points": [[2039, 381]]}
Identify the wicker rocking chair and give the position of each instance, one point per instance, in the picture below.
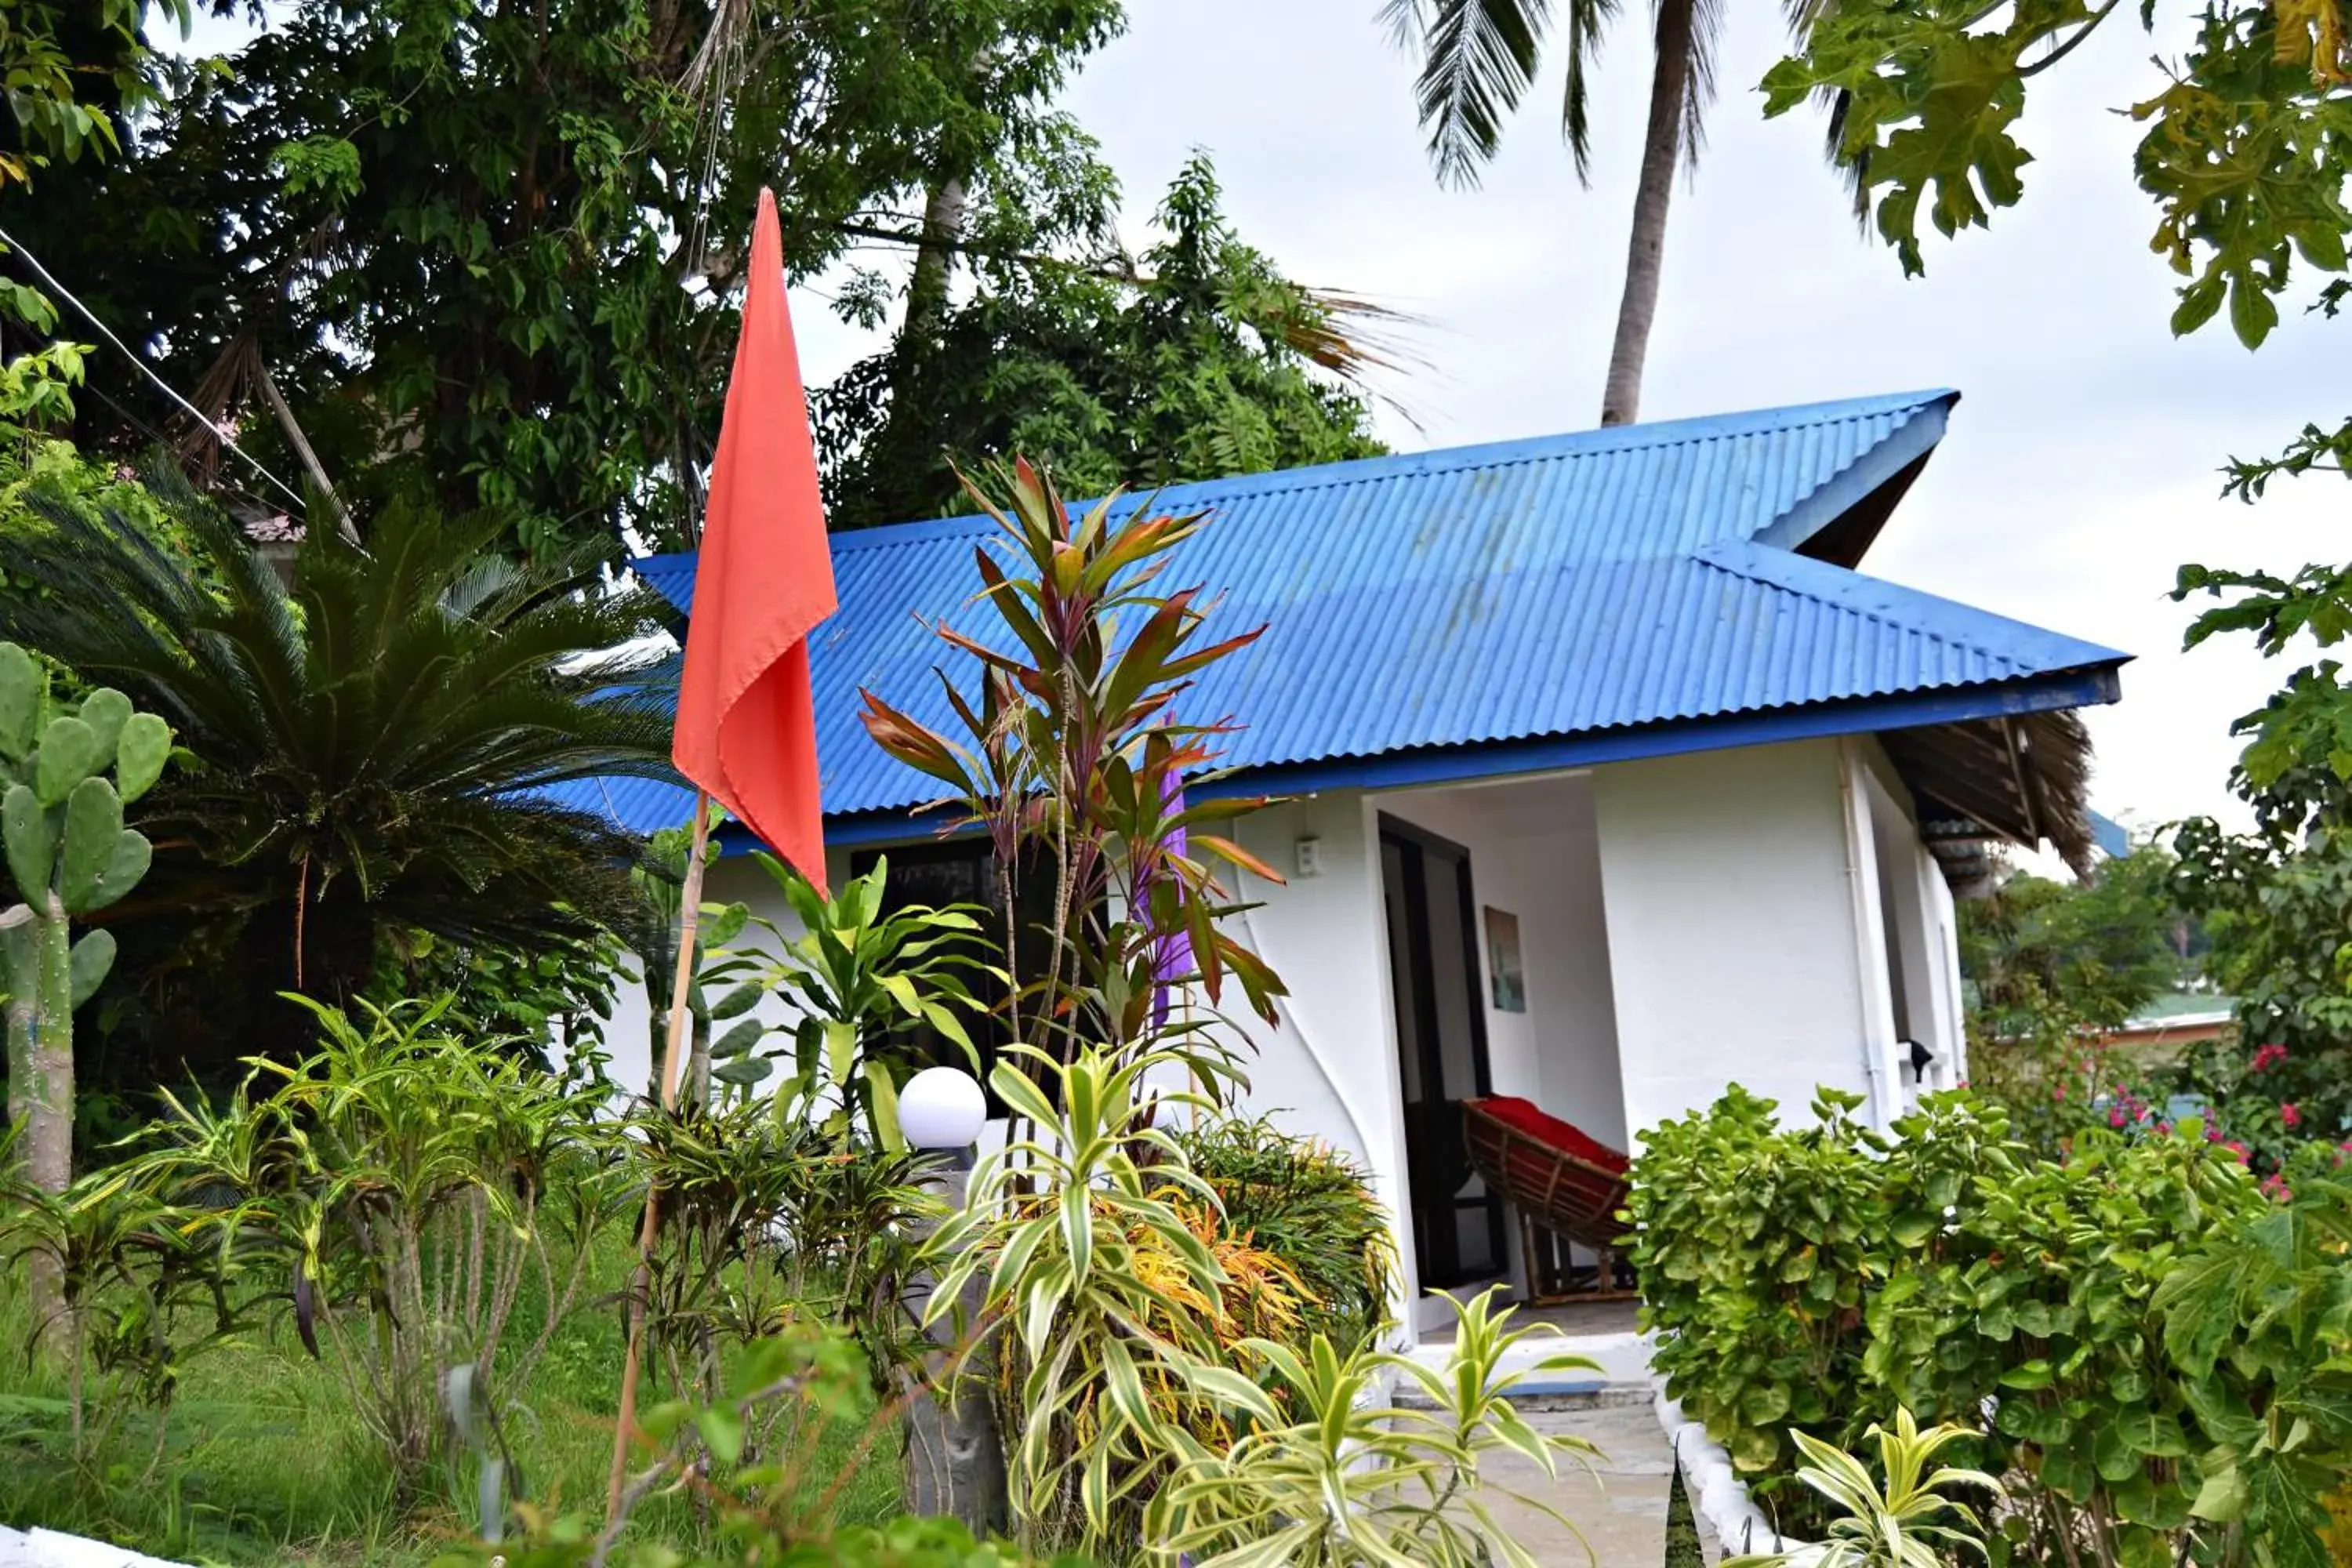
{"points": [[1560, 1181]]}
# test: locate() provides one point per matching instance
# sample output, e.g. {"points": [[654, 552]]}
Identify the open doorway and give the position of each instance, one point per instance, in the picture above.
{"points": [[1441, 1030]]}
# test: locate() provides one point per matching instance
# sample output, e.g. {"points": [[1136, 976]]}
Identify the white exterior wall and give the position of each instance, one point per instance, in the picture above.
{"points": [[1741, 899], [1329, 1069], [736, 879]]}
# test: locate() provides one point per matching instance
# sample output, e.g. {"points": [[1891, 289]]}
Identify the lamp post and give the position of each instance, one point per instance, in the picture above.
{"points": [[942, 1108], [955, 1461]]}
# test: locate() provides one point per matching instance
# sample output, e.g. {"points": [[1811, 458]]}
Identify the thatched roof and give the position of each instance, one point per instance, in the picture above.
{"points": [[2023, 779]]}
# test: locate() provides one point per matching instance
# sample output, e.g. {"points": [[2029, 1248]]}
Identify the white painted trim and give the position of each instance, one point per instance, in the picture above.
{"points": [[1877, 997]]}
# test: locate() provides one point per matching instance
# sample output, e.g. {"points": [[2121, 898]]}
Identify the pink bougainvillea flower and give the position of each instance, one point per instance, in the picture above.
{"points": [[2291, 1113], [2239, 1149]]}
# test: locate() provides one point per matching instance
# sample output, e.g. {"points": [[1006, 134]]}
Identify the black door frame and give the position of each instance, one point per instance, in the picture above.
{"points": [[1437, 1246]]}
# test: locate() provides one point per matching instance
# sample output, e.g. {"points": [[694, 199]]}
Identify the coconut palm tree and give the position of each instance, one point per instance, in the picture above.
{"points": [[1478, 59], [364, 750]]}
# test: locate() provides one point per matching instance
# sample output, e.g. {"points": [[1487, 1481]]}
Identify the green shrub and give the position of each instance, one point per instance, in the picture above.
{"points": [[399, 1187], [1310, 1205], [2141, 1341]]}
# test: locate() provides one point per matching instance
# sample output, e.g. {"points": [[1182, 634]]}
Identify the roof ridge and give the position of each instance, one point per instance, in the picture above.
{"points": [[1600, 441]]}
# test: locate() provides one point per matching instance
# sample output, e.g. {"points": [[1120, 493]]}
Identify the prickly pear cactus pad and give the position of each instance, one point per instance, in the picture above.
{"points": [[65, 773]]}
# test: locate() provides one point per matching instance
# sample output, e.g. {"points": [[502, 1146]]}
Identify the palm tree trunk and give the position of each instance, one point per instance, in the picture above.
{"points": [[927, 292], [1670, 86]]}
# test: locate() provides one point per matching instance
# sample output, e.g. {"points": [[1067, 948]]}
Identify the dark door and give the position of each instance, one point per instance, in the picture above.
{"points": [[1441, 1024]]}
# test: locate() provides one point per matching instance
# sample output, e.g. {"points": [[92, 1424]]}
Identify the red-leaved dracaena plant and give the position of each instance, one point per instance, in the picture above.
{"points": [[1071, 762]]}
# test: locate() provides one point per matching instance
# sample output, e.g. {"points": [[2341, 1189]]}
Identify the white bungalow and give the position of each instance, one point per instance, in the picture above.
{"points": [[1610, 779]]}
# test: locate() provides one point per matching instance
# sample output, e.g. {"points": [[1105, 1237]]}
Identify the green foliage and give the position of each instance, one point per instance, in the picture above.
{"points": [[747, 1459], [1310, 1205], [72, 72], [495, 252], [65, 777], [1194, 359], [559, 992], [2243, 152], [854, 976], [2246, 152], [1054, 1225], [362, 748], [1899, 1524], [772, 1212], [135, 1289], [398, 1186], [2275, 901], [1323, 1476], [2098, 950], [256, 1460], [1805, 1276], [2049, 970]]}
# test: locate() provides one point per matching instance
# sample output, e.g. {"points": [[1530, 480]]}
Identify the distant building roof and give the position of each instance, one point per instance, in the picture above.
{"points": [[1564, 600], [2109, 835]]}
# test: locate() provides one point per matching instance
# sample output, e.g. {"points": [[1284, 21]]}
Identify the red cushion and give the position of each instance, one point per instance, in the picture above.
{"points": [[1550, 1131]]}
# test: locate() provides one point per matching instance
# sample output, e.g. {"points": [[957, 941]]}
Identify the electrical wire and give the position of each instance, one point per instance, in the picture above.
{"points": [[144, 368]]}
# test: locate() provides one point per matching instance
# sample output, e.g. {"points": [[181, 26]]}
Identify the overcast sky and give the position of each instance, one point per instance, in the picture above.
{"points": [[2080, 468]]}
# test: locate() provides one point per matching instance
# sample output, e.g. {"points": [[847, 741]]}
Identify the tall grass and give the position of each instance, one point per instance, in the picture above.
{"points": [[263, 1461]]}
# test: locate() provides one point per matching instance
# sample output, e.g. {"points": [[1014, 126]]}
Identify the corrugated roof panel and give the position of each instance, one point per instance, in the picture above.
{"points": [[1527, 589]]}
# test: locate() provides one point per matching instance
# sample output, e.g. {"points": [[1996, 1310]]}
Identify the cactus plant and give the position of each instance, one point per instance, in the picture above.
{"points": [[67, 855]]}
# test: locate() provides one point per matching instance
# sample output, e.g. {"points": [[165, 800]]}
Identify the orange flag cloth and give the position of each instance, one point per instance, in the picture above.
{"points": [[746, 721]]}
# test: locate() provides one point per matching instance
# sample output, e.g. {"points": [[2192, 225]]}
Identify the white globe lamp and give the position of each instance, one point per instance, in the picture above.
{"points": [[941, 1108]]}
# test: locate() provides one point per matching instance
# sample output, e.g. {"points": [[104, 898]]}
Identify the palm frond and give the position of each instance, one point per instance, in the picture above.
{"points": [[1587, 20], [1478, 59], [373, 739], [1703, 30]]}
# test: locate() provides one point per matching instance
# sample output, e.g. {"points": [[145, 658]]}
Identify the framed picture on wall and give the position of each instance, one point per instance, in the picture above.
{"points": [[1506, 971]]}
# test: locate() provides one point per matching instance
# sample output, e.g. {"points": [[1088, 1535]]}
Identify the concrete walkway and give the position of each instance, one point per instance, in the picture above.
{"points": [[1619, 1507]]}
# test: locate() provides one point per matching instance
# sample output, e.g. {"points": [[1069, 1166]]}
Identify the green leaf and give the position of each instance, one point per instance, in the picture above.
{"points": [[722, 923], [745, 1071], [2223, 1496], [737, 1040], [741, 1000], [722, 1430], [840, 1049], [2252, 313], [884, 1103], [2028, 1377]]}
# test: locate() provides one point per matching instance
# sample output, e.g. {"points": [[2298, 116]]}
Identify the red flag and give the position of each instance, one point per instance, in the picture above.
{"points": [[746, 721]]}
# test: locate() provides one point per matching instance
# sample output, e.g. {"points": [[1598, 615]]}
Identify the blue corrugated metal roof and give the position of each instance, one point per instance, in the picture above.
{"points": [[1640, 575]]}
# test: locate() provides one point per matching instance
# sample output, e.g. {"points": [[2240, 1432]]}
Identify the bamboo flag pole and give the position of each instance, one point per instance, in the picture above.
{"points": [[673, 1057]]}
